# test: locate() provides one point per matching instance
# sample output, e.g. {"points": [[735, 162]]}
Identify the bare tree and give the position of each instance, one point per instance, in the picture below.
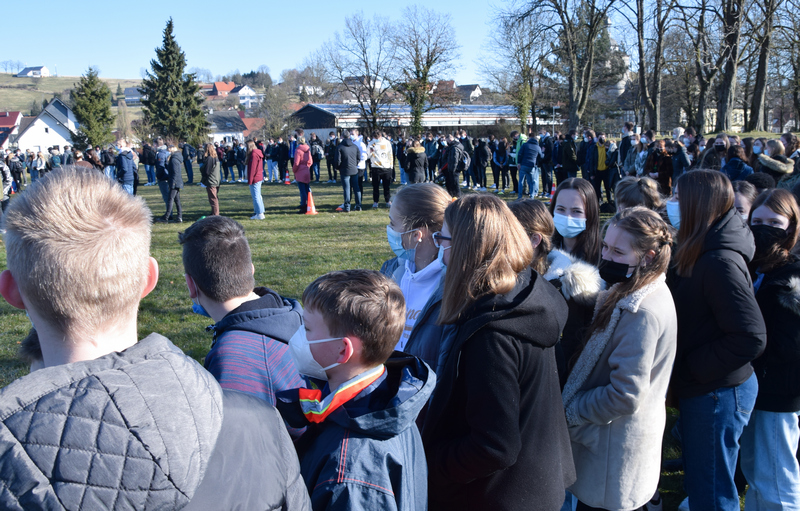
{"points": [[358, 61], [123, 119], [731, 18], [518, 50], [425, 52], [763, 40], [275, 110], [577, 27], [202, 74]]}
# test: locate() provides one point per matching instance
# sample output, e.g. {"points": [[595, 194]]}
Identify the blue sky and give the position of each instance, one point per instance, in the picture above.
{"points": [[120, 37]]}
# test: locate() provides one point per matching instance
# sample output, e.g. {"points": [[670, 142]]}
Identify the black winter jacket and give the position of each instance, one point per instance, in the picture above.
{"points": [[346, 158], [569, 156], [416, 164], [175, 169], [148, 155], [720, 327], [778, 296], [495, 434]]}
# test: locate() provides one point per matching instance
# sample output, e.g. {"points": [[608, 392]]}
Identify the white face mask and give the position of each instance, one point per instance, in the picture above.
{"points": [[674, 213], [643, 140], [303, 359]]}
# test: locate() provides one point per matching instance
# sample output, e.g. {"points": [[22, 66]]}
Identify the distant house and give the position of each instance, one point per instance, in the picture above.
{"points": [[253, 125], [226, 126], [54, 126], [9, 125], [222, 88], [247, 96], [469, 93], [33, 72], [207, 88], [133, 96]]}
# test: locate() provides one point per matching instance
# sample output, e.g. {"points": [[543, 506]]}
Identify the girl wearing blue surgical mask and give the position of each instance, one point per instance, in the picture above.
{"points": [[414, 234], [572, 264]]}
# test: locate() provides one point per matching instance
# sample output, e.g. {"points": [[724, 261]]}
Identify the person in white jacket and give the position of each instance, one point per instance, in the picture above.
{"points": [[614, 396]]}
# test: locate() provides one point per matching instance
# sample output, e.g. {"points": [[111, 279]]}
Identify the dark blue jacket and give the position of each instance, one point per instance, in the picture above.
{"points": [[125, 167], [680, 163], [425, 338], [589, 166], [367, 454], [736, 169], [162, 156], [531, 154]]}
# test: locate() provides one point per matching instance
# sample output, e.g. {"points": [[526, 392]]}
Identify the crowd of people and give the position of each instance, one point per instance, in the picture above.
{"points": [[512, 355]]}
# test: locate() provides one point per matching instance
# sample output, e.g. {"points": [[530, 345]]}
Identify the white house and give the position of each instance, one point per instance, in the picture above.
{"points": [[33, 72], [247, 96], [226, 126], [133, 96], [9, 125], [54, 126]]}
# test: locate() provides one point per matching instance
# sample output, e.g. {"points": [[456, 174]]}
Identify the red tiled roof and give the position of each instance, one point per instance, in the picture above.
{"points": [[252, 124], [9, 119], [224, 87]]}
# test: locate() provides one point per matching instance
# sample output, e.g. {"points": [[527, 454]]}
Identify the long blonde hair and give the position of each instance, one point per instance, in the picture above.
{"points": [[489, 249]]}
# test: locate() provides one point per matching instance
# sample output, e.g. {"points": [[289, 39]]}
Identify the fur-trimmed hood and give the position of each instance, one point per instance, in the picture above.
{"points": [[779, 164], [579, 280], [419, 149], [791, 297]]}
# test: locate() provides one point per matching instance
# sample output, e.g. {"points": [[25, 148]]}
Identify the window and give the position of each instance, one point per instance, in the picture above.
{"points": [[47, 130]]}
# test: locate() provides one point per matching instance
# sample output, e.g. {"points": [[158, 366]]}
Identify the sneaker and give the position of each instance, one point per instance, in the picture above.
{"points": [[201, 184], [389, 205], [178, 220], [160, 220], [464, 183], [341, 208], [374, 205], [494, 186], [500, 192], [257, 217], [230, 180], [655, 504], [358, 208], [483, 188]]}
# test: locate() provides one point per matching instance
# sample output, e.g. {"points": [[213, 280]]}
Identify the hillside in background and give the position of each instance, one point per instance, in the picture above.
{"points": [[18, 94]]}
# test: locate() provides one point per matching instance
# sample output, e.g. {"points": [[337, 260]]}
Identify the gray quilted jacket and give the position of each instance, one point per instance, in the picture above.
{"points": [[137, 429]]}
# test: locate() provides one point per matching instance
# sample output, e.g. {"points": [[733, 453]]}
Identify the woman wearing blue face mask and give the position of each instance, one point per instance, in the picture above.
{"points": [[770, 439], [614, 397], [417, 214], [720, 332]]}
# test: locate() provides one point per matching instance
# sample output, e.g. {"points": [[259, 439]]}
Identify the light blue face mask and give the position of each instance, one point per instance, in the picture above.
{"points": [[198, 309], [674, 213], [568, 226], [396, 243]]}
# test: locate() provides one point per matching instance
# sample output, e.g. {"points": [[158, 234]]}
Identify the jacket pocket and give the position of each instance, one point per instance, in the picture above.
{"points": [[587, 435]]}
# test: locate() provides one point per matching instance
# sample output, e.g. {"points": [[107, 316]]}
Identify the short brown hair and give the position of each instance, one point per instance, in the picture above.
{"points": [[216, 255], [78, 246], [362, 303], [536, 219], [489, 249]]}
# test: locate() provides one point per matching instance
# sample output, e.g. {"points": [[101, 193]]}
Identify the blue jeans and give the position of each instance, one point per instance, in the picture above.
{"points": [[128, 187], [403, 176], [189, 173], [150, 170], [711, 426], [258, 201], [163, 187], [110, 172], [34, 175], [304, 188], [347, 181], [315, 170], [531, 176], [769, 446]]}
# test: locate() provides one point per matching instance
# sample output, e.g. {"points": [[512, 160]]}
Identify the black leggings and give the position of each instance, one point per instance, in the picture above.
{"points": [[381, 175], [174, 198], [604, 177], [479, 173], [331, 169]]}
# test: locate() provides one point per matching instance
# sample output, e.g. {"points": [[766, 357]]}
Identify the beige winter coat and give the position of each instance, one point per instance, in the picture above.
{"points": [[614, 401]]}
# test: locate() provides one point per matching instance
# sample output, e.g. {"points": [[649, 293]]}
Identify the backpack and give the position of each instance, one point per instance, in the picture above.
{"points": [[317, 152], [56, 162], [464, 162]]}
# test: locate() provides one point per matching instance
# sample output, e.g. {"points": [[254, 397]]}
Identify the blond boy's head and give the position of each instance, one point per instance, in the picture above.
{"points": [[361, 303], [78, 247]]}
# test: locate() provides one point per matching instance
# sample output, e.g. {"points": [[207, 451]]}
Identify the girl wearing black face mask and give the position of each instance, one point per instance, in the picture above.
{"points": [[769, 441], [614, 396]]}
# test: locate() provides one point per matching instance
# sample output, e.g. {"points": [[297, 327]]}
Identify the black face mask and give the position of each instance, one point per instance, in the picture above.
{"points": [[766, 237], [719, 148], [612, 272]]}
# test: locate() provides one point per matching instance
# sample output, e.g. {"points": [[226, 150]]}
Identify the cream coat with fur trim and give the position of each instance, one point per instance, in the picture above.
{"points": [[614, 401]]}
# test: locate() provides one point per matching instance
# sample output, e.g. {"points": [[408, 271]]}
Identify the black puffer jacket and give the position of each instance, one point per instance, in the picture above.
{"points": [[145, 428], [720, 327], [778, 297], [496, 434], [416, 164]]}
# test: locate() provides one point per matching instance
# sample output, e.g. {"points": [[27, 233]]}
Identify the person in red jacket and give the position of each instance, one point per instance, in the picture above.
{"points": [[302, 171], [255, 176]]}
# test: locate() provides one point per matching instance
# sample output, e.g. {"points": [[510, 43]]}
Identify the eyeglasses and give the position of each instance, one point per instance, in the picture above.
{"points": [[438, 238]]}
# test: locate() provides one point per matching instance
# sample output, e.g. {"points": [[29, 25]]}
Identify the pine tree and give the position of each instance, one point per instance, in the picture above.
{"points": [[120, 93], [91, 100], [171, 98]]}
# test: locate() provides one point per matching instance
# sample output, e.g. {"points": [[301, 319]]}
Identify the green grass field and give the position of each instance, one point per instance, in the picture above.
{"points": [[289, 251]]}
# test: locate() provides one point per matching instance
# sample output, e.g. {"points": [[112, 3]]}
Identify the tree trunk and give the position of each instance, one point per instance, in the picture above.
{"points": [[758, 105], [727, 90], [702, 100]]}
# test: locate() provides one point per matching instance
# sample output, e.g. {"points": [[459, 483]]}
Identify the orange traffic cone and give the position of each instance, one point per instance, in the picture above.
{"points": [[310, 209], [553, 191], [286, 179]]}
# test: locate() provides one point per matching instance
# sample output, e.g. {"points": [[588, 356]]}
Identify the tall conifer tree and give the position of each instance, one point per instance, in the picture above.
{"points": [[92, 107], [171, 97]]}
